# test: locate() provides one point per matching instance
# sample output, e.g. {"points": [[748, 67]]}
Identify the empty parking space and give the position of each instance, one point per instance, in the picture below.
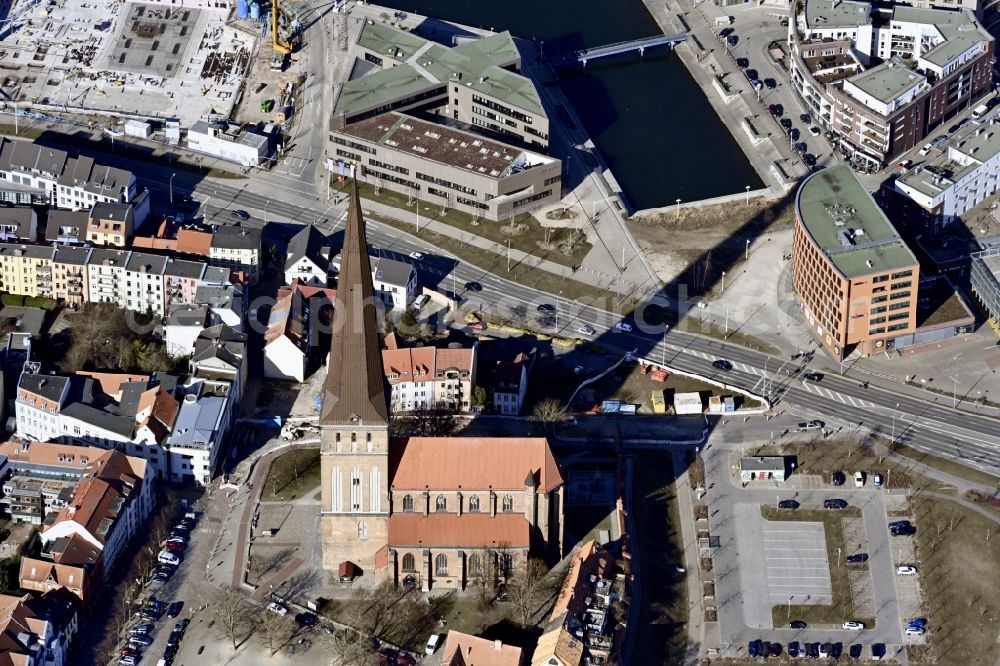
{"points": [[795, 562]]}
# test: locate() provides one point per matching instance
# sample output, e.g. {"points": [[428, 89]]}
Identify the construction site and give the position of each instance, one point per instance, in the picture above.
{"points": [[113, 61]]}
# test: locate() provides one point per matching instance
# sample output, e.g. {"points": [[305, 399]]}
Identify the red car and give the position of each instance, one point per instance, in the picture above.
{"points": [[477, 326], [176, 547], [129, 652]]}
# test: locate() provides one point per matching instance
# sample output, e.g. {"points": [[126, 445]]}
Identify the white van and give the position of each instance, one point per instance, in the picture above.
{"points": [[432, 643], [980, 111], [420, 301]]}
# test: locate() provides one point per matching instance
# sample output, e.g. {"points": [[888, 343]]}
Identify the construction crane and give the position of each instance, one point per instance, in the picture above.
{"points": [[281, 49]]}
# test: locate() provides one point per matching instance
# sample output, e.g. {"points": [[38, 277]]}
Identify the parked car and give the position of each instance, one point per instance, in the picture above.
{"points": [[586, 329], [903, 530], [306, 619], [753, 648], [836, 650], [476, 325], [473, 286], [432, 644], [855, 652], [176, 546], [786, 123], [878, 651], [146, 628], [776, 110], [926, 149], [812, 650], [546, 308], [839, 478], [853, 625], [857, 558], [166, 557], [141, 639], [809, 159], [805, 118], [814, 130], [277, 608], [623, 327], [775, 650], [794, 134], [859, 479], [793, 649], [722, 364], [797, 624], [801, 148], [752, 74], [742, 63], [915, 631], [906, 570], [823, 650], [877, 480], [899, 523], [129, 652], [788, 504], [182, 625], [174, 609], [771, 84], [240, 214], [417, 256], [835, 504], [918, 622], [128, 661]]}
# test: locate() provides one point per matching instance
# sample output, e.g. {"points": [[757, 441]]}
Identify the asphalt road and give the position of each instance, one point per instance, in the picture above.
{"points": [[927, 424]]}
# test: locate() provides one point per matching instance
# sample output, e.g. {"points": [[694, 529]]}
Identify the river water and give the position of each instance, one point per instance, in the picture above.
{"points": [[650, 120]]}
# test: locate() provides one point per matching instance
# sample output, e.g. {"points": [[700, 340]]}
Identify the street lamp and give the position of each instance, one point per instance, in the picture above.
{"points": [[678, 209], [748, 195], [892, 442], [746, 254], [172, 187], [723, 281]]}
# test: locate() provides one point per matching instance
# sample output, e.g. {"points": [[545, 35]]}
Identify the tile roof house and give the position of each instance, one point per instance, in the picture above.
{"points": [[107, 507], [36, 630], [465, 650], [293, 328], [71, 563], [426, 378]]}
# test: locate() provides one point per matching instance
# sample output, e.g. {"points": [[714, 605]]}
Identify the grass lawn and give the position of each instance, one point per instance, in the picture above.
{"points": [[662, 632], [949, 467], [842, 606], [960, 575], [292, 475], [530, 240]]}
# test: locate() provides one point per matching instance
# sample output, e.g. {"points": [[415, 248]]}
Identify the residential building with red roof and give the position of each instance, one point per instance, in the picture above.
{"points": [[465, 650], [428, 378], [36, 630]]}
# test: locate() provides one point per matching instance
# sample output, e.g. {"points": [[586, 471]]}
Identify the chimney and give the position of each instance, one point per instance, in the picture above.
{"points": [[497, 645]]}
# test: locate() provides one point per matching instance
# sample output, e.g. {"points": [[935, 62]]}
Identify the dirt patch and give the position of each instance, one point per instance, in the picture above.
{"points": [[694, 245]]}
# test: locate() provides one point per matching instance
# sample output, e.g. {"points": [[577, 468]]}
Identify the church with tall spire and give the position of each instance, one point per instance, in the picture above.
{"points": [[420, 511]]}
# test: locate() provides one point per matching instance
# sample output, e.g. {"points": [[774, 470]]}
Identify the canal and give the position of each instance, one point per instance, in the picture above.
{"points": [[649, 119]]}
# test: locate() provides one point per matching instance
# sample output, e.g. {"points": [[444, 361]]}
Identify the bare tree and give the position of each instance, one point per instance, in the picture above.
{"points": [[550, 412], [232, 611], [377, 603], [349, 648], [275, 630], [526, 589]]}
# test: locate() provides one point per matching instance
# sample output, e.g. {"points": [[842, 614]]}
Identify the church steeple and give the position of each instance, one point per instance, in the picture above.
{"points": [[355, 389]]}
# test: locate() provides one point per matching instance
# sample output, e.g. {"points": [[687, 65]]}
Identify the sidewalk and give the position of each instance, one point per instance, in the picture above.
{"points": [[696, 602]]}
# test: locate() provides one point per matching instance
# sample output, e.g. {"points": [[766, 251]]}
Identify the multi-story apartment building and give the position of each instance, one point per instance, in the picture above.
{"points": [[510, 385], [26, 269], [144, 283], [425, 378], [66, 226], [962, 177], [208, 411], [237, 248], [181, 279], [855, 278], [106, 275], [108, 506], [447, 166], [69, 273], [38, 406], [934, 63], [308, 258], [110, 223], [74, 183]]}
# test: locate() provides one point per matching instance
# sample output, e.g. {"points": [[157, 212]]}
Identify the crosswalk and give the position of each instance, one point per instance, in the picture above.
{"points": [[816, 389]]}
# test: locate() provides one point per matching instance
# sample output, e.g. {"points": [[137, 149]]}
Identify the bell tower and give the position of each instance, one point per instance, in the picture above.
{"points": [[354, 418]]}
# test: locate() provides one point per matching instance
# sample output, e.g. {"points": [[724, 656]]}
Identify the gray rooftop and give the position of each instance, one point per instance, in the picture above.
{"points": [[182, 268], [197, 422], [966, 152], [217, 295], [887, 82], [50, 387], [19, 219], [763, 463], [392, 271], [120, 212], [309, 242], [142, 262], [108, 256], [837, 13], [67, 254], [66, 225], [842, 218], [959, 30], [236, 237], [186, 314]]}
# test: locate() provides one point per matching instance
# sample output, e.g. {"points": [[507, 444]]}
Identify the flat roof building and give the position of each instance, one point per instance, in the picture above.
{"points": [[474, 86], [854, 276]]}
